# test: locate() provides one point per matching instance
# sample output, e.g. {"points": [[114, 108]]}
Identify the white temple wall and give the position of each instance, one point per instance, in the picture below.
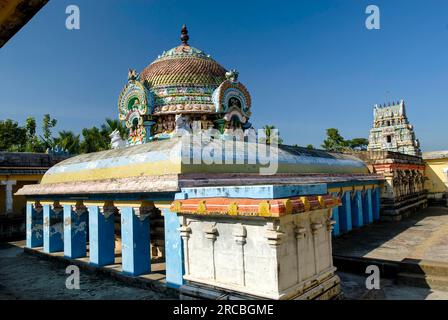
{"points": [[272, 258]]}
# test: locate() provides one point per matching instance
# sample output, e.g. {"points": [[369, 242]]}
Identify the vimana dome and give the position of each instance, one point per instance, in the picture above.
{"points": [[184, 88]]}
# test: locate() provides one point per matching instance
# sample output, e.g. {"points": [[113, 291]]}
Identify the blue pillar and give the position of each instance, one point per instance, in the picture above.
{"points": [[376, 203], [34, 225], [357, 216], [75, 231], [53, 228], [136, 258], [345, 213], [174, 260], [101, 235], [367, 208], [335, 217]]}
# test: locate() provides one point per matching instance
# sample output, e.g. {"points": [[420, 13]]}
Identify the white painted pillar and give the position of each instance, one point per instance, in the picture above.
{"points": [[445, 170], [8, 195]]}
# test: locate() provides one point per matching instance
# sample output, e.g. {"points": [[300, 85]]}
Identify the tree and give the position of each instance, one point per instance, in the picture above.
{"points": [[270, 137], [334, 141], [358, 144], [47, 124], [93, 141], [114, 124], [69, 142], [33, 144], [310, 147], [12, 136]]}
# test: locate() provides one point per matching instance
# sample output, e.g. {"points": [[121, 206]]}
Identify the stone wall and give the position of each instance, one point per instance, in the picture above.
{"points": [[404, 189], [277, 259]]}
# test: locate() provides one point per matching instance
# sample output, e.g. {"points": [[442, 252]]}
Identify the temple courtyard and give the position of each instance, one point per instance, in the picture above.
{"points": [[412, 256]]}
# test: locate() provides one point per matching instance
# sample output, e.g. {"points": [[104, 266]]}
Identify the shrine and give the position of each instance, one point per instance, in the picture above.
{"points": [[219, 226]]}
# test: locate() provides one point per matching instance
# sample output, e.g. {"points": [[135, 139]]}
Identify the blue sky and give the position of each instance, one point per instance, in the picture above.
{"points": [[309, 65]]}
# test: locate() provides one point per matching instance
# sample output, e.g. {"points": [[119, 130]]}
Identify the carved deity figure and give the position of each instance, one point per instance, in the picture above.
{"points": [[170, 124], [158, 128], [205, 123], [196, 126]]}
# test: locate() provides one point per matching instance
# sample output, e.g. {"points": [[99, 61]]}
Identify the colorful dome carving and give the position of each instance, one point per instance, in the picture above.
{"points": [[183, 82]]}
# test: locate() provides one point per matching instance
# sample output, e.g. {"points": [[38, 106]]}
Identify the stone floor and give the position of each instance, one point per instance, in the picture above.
{"points": [[24, 276], [353, 287], [412, 254], [423, 236]]}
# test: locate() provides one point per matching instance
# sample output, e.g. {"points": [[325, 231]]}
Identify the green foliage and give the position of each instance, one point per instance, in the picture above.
{"points": [[68, 141], [270, 138], [310, 147], [114, 124], [358, 144], [12, 136], [33, 144], [47, 124], [336, 143], [94, 140]]}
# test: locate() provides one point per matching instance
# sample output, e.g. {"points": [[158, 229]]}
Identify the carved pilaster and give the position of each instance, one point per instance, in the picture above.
{"points": [[273, 234], [185, 232], [240, 234]]}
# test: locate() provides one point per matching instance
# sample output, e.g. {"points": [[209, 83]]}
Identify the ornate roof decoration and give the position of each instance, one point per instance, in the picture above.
{"points": [[183, 65], [134, 96], [183, 82], [222, 97]]}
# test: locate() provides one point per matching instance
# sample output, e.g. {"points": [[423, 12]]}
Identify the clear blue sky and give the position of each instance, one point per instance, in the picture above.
{"points": [[309, 65]]}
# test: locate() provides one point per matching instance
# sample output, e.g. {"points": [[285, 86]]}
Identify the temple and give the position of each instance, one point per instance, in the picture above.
{"points": [[392, 132], [196, 186]]}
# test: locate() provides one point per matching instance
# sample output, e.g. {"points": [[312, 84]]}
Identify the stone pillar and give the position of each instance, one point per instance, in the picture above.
{"points": [[174, 263], [75, 230], [101, 234], [9, 196], [367, 208], [345, 213], [53, 228], [376, 203], [357, 215], [136, 257], [34, 225]]}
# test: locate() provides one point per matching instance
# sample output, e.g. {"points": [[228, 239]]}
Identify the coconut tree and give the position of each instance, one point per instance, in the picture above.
{"points": [[68, 141]]}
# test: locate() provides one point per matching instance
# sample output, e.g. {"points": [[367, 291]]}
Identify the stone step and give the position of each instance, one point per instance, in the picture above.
{"points": [[423, 281], [424, 267], [358, 265]]}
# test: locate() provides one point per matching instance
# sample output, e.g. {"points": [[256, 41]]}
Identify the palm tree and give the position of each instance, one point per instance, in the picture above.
{"points": [[68, 141], [113, 124], [93, 140], [268, 131]]}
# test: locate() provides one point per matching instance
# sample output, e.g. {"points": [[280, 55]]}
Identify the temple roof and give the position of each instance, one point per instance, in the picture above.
{"points": [[183, 65], [168, 165]]}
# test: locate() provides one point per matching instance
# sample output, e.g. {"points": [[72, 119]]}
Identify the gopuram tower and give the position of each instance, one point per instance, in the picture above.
{"points": [[392, 131]]}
